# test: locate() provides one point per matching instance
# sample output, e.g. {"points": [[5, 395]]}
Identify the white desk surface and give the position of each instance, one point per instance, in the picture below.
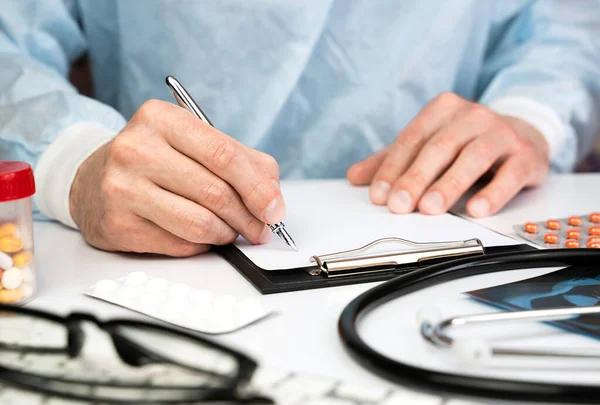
{"points": [[303, 337]]}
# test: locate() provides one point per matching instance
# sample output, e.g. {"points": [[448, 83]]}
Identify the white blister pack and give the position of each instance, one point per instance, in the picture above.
{"points": [[179, 304]]}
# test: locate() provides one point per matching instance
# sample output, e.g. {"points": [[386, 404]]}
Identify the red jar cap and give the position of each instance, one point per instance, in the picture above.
{"points": [[16, 181]]}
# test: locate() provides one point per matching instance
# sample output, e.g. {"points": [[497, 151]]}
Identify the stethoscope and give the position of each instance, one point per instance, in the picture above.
{"points": [[436, 332]]}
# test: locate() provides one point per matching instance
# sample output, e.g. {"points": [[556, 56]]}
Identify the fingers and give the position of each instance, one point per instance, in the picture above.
{"points": [[511, 177], [181, 217], [252, 174], [438, 154], [185, 177], [408, 143], [362, 172], [518, 172], [138, 235], [475, 159]]}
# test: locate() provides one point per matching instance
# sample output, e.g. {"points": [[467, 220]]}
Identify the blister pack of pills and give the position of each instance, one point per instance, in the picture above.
{"points": [[179, 304], [576, 231]]}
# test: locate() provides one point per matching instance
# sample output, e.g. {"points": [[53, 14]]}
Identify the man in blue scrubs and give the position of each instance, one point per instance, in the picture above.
{"points": [[418, 99]]}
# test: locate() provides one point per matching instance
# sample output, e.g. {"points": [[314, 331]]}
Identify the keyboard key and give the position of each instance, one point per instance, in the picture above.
{"points": [[226, 366], [61, 401], [361, 392], [12, 360], [43, 364], [180, 377], [13, 396], [412, 398], [328, 401], [302, 387], [313, 385]]}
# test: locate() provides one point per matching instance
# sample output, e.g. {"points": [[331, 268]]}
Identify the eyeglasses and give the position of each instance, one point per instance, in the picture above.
{"points": [[36, 345]]}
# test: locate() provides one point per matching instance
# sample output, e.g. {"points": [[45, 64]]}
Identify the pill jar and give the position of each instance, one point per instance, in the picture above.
{"points": [[17, 272]]}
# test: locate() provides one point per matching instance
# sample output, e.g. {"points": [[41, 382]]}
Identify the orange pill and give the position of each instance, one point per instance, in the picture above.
{"points": [[530, 227], [572, 244], [594, 245], [575, 221], [595, 217], [593, 239], [10, 296], [594, 230], [22, 259], [551, 238], [553, 224], [10, 244], [8, 229], [573, 234]]}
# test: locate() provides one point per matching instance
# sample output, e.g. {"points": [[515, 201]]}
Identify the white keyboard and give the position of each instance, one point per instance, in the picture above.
{"points": [[283, 387], [99, 361]]}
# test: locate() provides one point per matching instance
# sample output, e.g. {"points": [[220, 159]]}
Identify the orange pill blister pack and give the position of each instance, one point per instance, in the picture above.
{"points": [[576, 231]]}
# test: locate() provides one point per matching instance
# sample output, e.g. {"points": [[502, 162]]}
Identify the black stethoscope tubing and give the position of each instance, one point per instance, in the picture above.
{"points": [[456, 384]]}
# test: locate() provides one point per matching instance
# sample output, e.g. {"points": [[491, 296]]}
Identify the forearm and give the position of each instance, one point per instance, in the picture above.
{"points": [[42, 115]]}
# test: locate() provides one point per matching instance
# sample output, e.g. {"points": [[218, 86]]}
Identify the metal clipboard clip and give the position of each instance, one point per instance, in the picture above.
{"points": [[350, 262]]}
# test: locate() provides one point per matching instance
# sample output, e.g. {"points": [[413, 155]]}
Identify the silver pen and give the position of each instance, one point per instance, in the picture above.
{"points": [[184, 99]]}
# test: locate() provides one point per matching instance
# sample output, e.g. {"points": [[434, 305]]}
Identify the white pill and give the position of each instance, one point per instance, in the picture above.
{"points": [[104, 287], [224, 302], [6, 262], [191, 317], [27, 290], [27, 274], [148, 302], [136, 278], [179, 290], [127, 293], [157, 284], [171, 311], [200, 298], [12, 278]]}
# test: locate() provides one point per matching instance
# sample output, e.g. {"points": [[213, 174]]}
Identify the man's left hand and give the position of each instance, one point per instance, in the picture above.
{"points": [[449, 145]]}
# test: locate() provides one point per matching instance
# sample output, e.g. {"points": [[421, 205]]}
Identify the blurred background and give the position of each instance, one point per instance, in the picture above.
{"points": [[80, 77]]}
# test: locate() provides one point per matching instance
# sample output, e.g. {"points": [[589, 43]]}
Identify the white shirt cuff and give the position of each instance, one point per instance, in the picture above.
{"points": [[58, 165], [541, 117]]}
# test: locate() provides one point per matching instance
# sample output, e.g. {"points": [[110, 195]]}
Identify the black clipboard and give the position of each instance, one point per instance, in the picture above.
{"points": [[350, 269]]}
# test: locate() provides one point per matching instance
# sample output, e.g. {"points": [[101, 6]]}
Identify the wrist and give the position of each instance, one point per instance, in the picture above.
{"points": [[59, 164], [536, 115], [526, 131]]}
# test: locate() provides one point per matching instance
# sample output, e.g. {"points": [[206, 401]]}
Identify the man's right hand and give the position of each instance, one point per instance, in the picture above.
{"points": [[170, 184]]}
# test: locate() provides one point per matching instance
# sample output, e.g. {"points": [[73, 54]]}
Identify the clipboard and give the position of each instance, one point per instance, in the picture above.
{"points": [[344, 239], [352, 267]]}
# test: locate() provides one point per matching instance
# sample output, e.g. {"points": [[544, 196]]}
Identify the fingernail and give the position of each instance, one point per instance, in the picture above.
{"points": [[380, 192], [400, 202], [275, 211], [432, 203], [265, 236], [480, 208]]}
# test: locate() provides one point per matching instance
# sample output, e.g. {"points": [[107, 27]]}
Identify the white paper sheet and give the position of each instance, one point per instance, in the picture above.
{"points": [[326, 216]]}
